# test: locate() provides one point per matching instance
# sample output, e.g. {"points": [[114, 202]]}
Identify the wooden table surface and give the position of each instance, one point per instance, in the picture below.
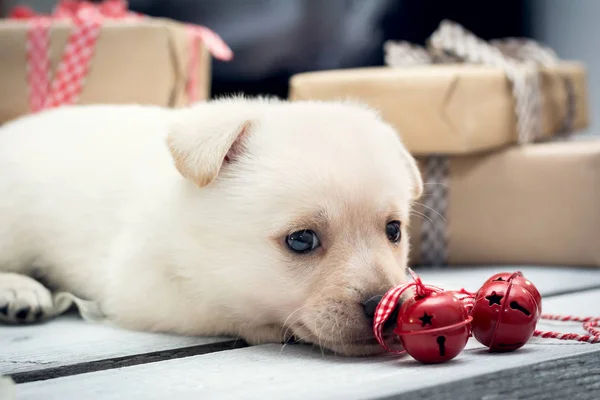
{"points": [[68, 358]]}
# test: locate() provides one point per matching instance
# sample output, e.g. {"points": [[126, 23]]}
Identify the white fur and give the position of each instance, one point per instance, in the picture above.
{"points": [[134, 206]]}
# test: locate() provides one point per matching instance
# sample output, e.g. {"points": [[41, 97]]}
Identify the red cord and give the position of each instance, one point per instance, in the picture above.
{"points": [[590, 324]]}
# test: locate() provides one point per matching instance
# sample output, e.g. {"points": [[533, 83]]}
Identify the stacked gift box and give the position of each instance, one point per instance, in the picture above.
{"points": [[491, 125], [100, 52]]}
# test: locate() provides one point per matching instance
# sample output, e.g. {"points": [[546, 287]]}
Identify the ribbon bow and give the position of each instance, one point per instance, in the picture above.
{"points": [[72, 70]]}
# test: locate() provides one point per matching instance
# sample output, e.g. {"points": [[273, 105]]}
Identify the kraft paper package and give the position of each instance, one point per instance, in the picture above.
{"points": [[134, 59], [449, 109], [534, 204]]}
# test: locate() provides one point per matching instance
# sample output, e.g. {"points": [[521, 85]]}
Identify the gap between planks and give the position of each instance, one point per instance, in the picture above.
{"points": [[125, 361]]}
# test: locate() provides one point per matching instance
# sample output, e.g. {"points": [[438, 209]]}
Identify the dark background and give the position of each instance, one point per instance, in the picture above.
{"points": [[314, 40]]}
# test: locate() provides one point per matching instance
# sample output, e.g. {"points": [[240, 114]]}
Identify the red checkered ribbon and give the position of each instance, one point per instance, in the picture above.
{"points": [[38, 41], [384, 309], [390, 300], [74, 65]]}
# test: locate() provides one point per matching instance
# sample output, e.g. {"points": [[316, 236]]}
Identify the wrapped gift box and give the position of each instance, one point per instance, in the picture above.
{"points": [[146, 61], [535, 204], [449, 108]]}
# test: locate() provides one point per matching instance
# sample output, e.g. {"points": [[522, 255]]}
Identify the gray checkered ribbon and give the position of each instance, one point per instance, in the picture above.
{"points": [[520, 59], [433, 228]]}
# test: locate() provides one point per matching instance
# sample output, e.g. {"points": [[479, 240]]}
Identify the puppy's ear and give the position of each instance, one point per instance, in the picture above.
{"points": [[202, 139], [415, 173]]}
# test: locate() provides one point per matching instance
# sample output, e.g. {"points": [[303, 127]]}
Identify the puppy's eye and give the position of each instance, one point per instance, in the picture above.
{"points": [[302, 241], [392, 230]]}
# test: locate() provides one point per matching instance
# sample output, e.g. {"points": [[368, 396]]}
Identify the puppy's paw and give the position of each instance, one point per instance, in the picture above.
{"points": [[23, 299]]}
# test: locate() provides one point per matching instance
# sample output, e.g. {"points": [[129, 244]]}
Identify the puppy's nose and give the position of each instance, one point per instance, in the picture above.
{"points": [[370, 305]]}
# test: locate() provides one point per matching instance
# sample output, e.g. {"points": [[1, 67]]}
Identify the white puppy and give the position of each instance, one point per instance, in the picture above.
{"points": [[253, 218]]}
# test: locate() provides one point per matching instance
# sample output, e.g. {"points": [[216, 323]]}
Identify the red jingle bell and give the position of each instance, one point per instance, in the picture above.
{"points": [[519, 279], [433, 328], [505, 313]]}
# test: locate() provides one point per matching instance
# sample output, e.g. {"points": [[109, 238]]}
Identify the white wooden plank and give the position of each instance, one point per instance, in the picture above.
{"points": [[548, 280], [68, 340], [300, 372]]}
